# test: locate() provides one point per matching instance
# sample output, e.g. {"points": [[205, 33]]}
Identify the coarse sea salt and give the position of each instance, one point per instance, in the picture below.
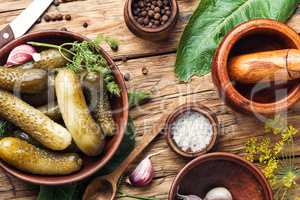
{"points": [[192, 131]]}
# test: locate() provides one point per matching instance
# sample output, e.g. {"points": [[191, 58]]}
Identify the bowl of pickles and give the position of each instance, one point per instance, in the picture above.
{"points": [[63, 107]]}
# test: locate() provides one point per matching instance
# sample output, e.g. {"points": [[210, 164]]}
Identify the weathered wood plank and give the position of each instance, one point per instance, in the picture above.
{"points": [[106, 17]]}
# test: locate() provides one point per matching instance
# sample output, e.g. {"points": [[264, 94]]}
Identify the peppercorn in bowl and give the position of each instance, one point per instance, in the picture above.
{"points": [[151, 19]]}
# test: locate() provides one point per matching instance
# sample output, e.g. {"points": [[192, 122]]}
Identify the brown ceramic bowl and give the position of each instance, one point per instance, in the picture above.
{"points": [[153, 34], [255, 36], [194, 107], [120, 106], [244, 180]]}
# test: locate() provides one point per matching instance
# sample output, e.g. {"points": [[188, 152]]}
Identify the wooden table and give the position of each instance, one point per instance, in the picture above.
{"points": [[106, 17]]}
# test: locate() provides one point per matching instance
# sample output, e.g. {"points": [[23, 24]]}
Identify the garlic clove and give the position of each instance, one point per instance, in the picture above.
{"points": [[218, 193], [20, 55], [142, 174]]}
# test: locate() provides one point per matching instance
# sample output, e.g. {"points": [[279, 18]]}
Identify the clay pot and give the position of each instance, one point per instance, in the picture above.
{"points": [[261, 98], [243, 179], [119, 105]]}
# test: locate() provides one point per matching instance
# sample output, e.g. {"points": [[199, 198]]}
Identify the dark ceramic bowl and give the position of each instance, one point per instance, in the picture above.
{"points": [[194, 107], [250, 37], [153, 34], [119, 105], [244, 180]]}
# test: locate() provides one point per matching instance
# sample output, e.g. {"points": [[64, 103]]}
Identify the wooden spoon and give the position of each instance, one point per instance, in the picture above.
{"points": [[105, 187]]}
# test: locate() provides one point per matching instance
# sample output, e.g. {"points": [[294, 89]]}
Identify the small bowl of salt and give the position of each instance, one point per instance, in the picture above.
{"points": [[191, 130]]}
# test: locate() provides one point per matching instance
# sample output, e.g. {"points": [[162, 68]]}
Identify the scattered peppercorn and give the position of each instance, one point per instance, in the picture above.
{"points": [[47, 18], [56, 3], [126, 76], [145, 70], [68, 17], [85, 24], [59, 17], [151, 13], [64, 29]]}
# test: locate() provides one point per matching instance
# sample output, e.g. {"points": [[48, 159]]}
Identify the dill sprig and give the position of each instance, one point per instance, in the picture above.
{"points": [[282, 174], [85, 56], [3, 126]]}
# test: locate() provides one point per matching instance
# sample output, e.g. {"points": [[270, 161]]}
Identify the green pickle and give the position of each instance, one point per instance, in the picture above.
{"points": [[29, 158], [49, 59]]}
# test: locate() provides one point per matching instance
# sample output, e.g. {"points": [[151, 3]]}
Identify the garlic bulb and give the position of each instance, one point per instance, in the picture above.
{"points": [[20, 55], [218, 193]]}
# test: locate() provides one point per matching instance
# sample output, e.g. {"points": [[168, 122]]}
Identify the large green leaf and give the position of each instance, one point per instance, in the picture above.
{"points": [[212, 20]]}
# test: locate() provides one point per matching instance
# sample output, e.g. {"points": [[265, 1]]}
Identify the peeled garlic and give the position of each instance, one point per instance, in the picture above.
{"points": [[218, 193]]}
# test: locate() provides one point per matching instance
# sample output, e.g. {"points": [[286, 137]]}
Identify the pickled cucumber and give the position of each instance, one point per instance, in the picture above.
{"points": [[86, 133], [23, 80], [101, 111], [32, 121], [28, 158], [49, 59]]}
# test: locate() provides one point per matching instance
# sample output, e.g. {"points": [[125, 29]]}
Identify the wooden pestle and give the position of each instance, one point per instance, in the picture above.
{"points": [[278, 65]]}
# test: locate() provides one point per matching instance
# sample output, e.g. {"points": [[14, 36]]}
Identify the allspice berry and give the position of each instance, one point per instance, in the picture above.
{"points": [[165, 18], [68, 17], [85, 24], [151, 13], [145, 70], [157, 16], [47, 18], [59, 17]]}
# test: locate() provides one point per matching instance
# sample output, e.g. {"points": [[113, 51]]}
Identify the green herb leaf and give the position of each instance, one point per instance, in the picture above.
{"points": [[3, 126], [75, 191], [136, 98], [212, 20]]}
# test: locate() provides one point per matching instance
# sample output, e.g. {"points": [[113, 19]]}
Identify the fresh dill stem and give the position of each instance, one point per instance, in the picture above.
{"points": [[85, 56]]}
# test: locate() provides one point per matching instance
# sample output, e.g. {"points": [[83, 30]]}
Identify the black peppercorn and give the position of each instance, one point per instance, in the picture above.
{"points": [[56, 3], [68, 17], [47, 18], [151, 13], [165, 18], [59, 17], [145, 70], [157, 16], [85, 24]]}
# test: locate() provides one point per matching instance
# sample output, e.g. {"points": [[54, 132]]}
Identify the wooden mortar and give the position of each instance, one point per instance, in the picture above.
{"points": [[252, 37]]}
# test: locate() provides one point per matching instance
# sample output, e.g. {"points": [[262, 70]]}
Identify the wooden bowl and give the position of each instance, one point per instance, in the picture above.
{"points": [[196, 107], [255, 36], [243, 179], [153, 34], [120, 106]]}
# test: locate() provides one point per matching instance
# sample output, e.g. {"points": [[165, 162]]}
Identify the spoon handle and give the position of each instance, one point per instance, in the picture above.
{"points": [[145, 141]]}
